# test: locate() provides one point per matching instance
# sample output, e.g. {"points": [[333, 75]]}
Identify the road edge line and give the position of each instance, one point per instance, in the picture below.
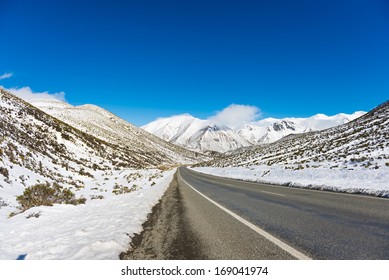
{"points": [[295, 253]]}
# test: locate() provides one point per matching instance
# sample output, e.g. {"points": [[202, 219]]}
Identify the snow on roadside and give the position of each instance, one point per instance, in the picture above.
{"points": [[358, 180], [99, 229]]}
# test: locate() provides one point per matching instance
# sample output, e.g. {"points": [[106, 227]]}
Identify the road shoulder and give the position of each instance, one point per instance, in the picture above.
{"points": [[166, 234]]}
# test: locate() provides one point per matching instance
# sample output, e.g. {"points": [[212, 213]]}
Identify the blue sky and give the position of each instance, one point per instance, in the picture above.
{"points": [[143, 59]]}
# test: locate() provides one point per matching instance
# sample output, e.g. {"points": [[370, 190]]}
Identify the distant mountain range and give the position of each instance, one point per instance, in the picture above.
{"points": [[207, 135]]}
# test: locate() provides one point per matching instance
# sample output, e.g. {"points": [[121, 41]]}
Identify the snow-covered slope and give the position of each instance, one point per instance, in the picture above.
{"points": [[113, 180], [352, 157], [196, 134], [206, 135], [106, 126], [30, 136]]}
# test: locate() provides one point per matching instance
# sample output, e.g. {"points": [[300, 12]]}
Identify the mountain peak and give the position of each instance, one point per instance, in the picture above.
{"points": [[189, 132]]}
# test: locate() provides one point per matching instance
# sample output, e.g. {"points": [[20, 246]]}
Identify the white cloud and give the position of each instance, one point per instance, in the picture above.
{"points": [[28, 95], [6, 76], [236, 115]]}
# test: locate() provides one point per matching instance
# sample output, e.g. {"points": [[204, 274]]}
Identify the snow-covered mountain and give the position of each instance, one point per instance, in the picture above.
{"points": [[207, 135], [196, 134], [270, 129], [108, 127], [30, 136], [363, 142]]}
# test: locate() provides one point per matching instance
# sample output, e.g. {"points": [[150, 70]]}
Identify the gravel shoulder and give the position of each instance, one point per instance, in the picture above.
{"points": [[167, 233]]}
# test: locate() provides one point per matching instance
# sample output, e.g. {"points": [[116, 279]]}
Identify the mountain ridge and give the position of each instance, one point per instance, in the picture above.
{"points": [[105, 125], [190, 132]]}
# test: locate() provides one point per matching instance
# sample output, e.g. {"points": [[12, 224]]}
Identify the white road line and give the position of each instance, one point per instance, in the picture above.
{"points": [[295, 253], [273, 193]]}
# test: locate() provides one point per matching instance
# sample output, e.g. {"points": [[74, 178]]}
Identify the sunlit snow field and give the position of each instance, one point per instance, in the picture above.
{"points": [[99, 229]]}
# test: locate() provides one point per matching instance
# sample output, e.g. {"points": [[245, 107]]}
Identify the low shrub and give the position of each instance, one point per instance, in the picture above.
{"points": [[4, 172], [34, 215], [44, 194], [164, 167], [2, 203], [124, 189], [96, 197]]}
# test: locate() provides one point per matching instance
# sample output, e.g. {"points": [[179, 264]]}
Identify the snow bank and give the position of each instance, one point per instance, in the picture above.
{"points": [[359, 180]]}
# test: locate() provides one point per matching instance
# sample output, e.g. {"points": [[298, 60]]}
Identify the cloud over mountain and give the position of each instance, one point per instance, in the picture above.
{"points": [[28, 94], [236, 115]]}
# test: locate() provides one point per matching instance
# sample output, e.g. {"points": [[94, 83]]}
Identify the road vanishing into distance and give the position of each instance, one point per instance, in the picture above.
{"points": [[247, 220]]}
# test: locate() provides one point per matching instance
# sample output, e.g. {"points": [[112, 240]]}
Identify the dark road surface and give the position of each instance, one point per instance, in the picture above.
{"points": [[317, 224]]}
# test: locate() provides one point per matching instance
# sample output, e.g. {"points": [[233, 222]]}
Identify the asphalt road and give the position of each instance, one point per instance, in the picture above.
{"points": [[315, 224]]}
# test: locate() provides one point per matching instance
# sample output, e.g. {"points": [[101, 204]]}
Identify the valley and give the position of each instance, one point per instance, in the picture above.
{"points": [[78, 182]]}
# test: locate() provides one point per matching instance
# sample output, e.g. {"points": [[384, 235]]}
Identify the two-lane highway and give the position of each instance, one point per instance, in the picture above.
{"points": [[317, 224]]}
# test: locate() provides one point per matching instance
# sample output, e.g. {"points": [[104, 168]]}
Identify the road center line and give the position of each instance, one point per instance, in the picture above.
{"points": [[295, 253], [273, 193]]}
